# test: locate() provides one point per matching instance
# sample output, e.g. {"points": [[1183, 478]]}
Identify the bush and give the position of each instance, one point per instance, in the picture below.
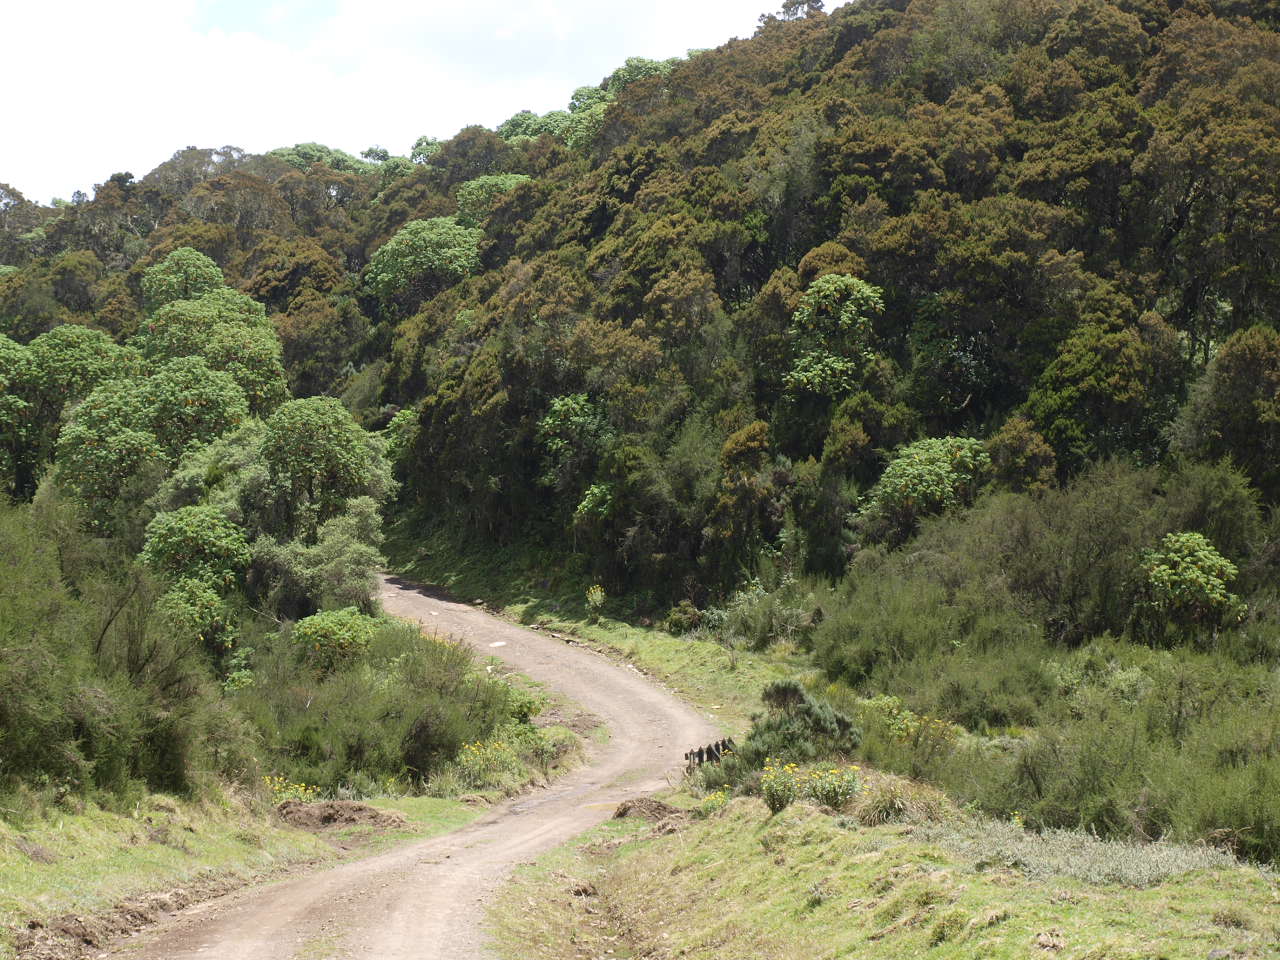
{"points": [[928, 477], [1184, 588], [403, 709], [779, 784], [196, 543], [333, 637], [832, 786]]}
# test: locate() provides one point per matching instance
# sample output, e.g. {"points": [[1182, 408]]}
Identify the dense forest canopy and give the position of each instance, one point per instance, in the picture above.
{"points": [[794, 304]]}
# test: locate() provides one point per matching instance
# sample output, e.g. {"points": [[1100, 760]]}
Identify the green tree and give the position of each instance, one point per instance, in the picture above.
{"points": [[322, 457], [831, 335], [65, 364], [251, 356], [184, 274], [1183, 588], [196, 543], [1234, 408], [424, 257], [925, 478], [107, 447], [476, 197], [1113, 388], [424, 148], [16, 414], [185, 404]]}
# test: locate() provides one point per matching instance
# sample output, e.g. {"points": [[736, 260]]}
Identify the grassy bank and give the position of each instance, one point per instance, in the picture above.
{"points": [[547, 589], [802, 884], [101, 867]]}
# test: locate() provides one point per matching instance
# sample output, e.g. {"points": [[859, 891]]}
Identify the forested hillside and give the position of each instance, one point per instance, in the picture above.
{"points": [[936, 337]]}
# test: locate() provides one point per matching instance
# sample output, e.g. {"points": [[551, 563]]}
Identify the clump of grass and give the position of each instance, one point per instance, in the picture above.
{"points": [[1070, 853], [889, 799], [1232, 918], [950, 926]]}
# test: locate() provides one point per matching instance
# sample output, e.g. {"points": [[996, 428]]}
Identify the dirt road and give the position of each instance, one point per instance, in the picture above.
{"points": [[425, 900]]}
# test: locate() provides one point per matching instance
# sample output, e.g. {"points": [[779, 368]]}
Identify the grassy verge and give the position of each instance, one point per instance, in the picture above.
{"points": [[167, 852], [87, 862], [802, 884], [547, 590]]}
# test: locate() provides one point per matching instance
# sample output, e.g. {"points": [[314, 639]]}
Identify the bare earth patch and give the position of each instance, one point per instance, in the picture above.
{"points": [[330, 814], [71, 936]]}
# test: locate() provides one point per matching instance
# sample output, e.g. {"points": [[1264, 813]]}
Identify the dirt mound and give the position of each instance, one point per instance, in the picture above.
{"points": [[647, 808], [71, 936], [327, 814]]}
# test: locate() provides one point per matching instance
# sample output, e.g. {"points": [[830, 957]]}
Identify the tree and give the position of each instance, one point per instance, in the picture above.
{"points": [[745, 513], [16, 414], [476, 197], [322, 457], [1234, 409], [1112, 389], [185, 404], [1021, 459], [252, 357], [831, 335], [1183, 588], [66, 363], [424, 148], [106, 447], [928, 477], [424, 257], [795, 9], [185, 274], [196, 543]]}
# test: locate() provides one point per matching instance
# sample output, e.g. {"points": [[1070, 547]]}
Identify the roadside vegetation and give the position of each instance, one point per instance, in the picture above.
{"points": [[803, 884]]}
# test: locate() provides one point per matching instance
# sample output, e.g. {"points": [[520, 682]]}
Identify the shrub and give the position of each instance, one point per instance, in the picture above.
{"points": [[1184, 587], [595, 600], [832, 786], [711, 804], [403, 709], [196, 543], [779, 784], [332, 637], [928, 477], [682, 618]]}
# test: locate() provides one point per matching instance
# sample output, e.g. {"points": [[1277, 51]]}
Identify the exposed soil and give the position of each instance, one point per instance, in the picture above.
{"points": [[72, 936], [647, 808], [425, 899], [327, 814]]}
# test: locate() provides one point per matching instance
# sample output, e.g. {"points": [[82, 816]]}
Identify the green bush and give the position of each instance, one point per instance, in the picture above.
{"points": [[928, 477], [333, 637], [1184, 588], [196, 543], [403, 709]]}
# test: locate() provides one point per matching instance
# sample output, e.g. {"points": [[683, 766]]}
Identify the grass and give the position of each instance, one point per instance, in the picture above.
{"points": [[88, 861], [802, 884], [533, 587]]}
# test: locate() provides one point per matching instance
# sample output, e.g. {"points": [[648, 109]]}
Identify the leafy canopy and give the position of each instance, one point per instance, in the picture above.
{"points": [[196, 543], [183, 275]]}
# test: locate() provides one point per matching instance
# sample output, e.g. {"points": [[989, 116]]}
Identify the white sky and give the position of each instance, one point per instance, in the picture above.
{"points": [[92, 88]]}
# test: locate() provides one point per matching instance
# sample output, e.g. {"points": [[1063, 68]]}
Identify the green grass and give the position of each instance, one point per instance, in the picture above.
{"points": [[803, 885], [538, 587], [97, 858]]}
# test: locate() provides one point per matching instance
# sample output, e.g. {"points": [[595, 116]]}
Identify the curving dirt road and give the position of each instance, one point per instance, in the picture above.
{"points": [[423, 900]]}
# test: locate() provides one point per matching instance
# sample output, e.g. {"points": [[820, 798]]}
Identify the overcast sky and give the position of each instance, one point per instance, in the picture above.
{"points": [[92, 88]]}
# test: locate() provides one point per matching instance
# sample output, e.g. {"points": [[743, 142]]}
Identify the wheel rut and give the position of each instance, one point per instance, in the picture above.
{"points": [[425, 900]]}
